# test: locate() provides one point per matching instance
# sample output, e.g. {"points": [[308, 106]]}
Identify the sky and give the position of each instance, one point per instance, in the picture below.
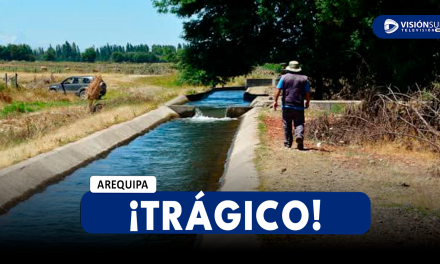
{"points": [[40, 23]]}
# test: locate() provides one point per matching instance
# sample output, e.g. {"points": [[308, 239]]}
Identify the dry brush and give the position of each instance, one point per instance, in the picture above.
{"points": [[411, 118]]}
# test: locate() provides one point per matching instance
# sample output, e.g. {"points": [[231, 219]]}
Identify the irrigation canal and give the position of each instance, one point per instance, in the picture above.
{"points": [[186, 154]]}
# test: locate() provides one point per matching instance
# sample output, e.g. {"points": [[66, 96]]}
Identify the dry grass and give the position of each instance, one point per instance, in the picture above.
{"points": [[50, 129], [82, 67], [411, 119], [258, 72], [69, 132], [57, 119], [389, 173]]}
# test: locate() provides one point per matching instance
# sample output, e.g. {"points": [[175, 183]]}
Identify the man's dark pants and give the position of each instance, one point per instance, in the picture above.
{"points": [[297, 118]]}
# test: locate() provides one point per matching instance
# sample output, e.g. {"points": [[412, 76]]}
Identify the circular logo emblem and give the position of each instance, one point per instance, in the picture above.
{"points": [[390, 26]]}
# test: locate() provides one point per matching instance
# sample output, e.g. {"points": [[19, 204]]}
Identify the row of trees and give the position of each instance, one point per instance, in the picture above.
{"points": [[139, 53], [16, 52], [333, 39], [71, 52]]}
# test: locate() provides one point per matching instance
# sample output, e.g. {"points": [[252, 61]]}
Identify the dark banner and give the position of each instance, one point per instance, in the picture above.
{"points": [[407, 27], [226, 213]]}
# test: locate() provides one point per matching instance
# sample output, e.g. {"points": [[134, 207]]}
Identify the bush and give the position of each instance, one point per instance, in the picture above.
{"points": [[89, 55], [118, 56], [388, 116], [192, 76], [276, 68]]}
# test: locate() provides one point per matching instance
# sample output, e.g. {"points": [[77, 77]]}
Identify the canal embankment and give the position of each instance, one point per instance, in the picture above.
{"points": [[184, 154], [240, 175], [20, 181]]}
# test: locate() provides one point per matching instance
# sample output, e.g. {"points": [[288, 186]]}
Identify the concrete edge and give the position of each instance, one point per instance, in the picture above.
{"points": [[184, 110], [20, 181], [237, 111], [267, 101], [240, 175], [230, 88], [179, 100], [200, 96]]}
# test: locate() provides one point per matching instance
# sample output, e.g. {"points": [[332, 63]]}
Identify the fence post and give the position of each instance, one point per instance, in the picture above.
{"points": [[6, 80], [16, 81]]}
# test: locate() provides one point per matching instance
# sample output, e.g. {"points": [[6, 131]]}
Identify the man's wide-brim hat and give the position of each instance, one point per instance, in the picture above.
{"points": [[293, 66]]}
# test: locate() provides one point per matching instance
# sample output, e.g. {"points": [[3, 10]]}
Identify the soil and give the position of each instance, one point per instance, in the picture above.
{"points": [[402, 186]]}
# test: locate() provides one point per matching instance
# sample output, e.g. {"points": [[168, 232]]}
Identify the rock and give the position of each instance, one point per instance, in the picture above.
{"points": [[283, 170], [403, 184]]}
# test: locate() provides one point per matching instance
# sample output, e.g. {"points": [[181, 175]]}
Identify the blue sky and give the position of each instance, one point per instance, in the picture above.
{"points": [[86, 22]]}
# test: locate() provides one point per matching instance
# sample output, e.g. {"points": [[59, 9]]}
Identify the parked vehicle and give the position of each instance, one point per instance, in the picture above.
{"points": [[77, 85]]}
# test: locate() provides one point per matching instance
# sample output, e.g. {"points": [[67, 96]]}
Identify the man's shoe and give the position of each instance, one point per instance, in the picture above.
{"points": [[287, 145], [300, 143]]}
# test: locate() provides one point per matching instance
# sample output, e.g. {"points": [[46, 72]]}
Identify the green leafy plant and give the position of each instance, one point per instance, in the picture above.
{"points": [[276, 68]]}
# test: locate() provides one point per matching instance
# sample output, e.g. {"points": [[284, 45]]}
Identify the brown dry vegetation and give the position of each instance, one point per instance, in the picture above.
{"points": [[403, 185], [411, 119], [57, 119]]}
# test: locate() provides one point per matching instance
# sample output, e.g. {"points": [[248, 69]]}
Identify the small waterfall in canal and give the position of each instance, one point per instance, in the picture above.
{"points": [[184, 154], [210, 115]]}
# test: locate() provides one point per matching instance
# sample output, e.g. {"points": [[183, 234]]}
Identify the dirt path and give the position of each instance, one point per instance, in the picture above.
{"points": [[404, 191]]}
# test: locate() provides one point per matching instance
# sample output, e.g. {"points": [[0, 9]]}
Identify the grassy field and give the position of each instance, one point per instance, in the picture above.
{"points": [[83, 67], [34, 120]]}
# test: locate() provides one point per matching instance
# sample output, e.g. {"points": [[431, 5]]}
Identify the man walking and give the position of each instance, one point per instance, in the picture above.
{"points": [[295, 88]]}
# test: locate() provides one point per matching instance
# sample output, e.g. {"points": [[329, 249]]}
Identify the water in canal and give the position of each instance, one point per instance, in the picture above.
{"points": [[184, 154]]}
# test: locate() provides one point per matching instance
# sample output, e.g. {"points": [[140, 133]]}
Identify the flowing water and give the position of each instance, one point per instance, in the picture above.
{"points": [[184, 154]]}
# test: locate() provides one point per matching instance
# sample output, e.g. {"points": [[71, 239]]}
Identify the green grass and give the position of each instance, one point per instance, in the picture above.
{"points": [[191, 92], [262, 128], [337, 109], [22, 107], [262, 149], [114, 94], [166, 81], [276, 68]]}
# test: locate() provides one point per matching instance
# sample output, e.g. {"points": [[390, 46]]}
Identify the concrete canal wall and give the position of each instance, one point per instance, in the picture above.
{"points": [[20, 181], [200, 96], [240, 175], [267, 101], [260, 82]]}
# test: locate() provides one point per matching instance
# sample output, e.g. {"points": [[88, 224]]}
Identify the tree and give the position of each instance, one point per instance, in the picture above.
{"points": [[89, 55], [118, 56], [20, 52], [332, 38], [50, 54]]}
